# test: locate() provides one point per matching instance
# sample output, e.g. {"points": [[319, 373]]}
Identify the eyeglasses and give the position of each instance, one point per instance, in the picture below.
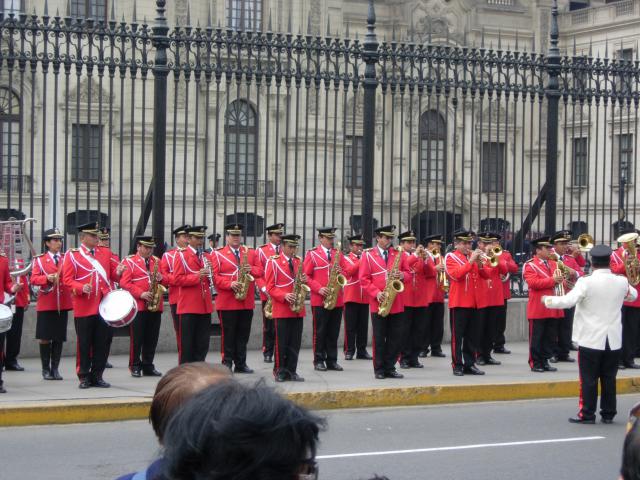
{"points": [[634, 414], [311, 471]]}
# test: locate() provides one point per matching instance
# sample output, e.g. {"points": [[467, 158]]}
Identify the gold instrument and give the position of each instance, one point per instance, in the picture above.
{"points": [[207, 265], [564, 270], [441, 278], [337, 281], [631, 263], [585, 242], [421, 252], [244, 278], [300, 290], [268, 308], [392, 288], [497, 250], [491, 257], [12, 234], [156, 289]]}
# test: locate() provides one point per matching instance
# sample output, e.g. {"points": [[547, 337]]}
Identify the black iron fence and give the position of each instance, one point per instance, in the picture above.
{"points": [[145, 127]]}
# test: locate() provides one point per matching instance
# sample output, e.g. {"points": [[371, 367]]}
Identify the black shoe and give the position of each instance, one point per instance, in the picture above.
{"points": [[281, 377], [151, 372], [14, 367], [335, 367], [480, 361], [423, 354], [538, 369], [458, 372], [566, 359], [108, 365], [136, 372], [416, 365], [348, 356], [492, 361], [100, 383], [622, 366], [393, 374], [242, 369], [380, 376], [502, 351], [584, 421], [473, 370], [229, 365], [84, 384], [553, 359], [268, 359], [549, 368], [405, 365], [635, 366], [607, 421], [364, 356], [46, 375], [56, 374], [296, 378], [438, 354], [320, 366], [2, 390]]}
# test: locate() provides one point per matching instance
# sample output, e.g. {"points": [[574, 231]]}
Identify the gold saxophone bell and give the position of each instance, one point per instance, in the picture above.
{"points": [[631, 263], [585, 242], [397, 286]]}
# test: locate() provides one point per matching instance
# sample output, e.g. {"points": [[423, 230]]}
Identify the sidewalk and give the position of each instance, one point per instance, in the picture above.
{"points": [[31, 400]]}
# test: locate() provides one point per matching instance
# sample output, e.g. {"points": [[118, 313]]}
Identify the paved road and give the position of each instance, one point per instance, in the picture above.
{"points": [[516, 440]]}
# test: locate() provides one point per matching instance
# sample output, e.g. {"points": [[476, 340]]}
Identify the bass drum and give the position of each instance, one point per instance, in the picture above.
{"points": [[6, 318], [118, 308]]}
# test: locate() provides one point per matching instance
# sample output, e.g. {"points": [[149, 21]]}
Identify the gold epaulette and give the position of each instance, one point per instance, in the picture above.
{"points": [[37, 256], [530, 260], [155, 258], [74, 249], [219, 248], [131, 256], [368, 249], [298, 257], [181, 249], [274, 256]]}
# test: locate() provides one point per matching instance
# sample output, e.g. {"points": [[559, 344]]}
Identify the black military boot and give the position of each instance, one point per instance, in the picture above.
{"points": [[56, 353], [45, 358]]}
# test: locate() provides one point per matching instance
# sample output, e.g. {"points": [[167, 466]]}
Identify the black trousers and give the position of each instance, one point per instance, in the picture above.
{"points": [[542, 333], [288, 337], [14, 338], [487, 332], [594, 366], [93, 339], [565, 330], [501, 326], [630, 319], [236, 328], [356, 327], [415, 325], [173, 307], [193, 333], [326, 329], [143, 339], [268, 333], [465, 327], [387, 340], [2, 339], [434, 329]]}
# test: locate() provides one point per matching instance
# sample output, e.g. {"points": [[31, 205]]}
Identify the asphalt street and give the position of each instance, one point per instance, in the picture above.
{"points": [[515, 440]]}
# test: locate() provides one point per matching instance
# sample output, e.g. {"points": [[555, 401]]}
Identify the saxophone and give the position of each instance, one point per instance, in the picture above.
{"points": [[337, 281], [156, 289], [392, 288], [244, 278], [300, 290]]}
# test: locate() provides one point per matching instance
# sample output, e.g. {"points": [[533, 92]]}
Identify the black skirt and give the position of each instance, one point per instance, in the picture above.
{"points": [[51, 325]]}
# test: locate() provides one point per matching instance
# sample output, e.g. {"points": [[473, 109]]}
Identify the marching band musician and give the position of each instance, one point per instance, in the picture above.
{"points": [[235, 314], [568, 256], [167, 268], [630, 310], [214, 238], [490, 298], [511, 267], [434, 330], [10, 288], [356, 307], [53, 304], [281, 274], [375, 266], [90, 272], [326, 323], [462, 268], [14, 336], [416, 299], [265, 252], [145, 328], [542, 276], [194, 277]]}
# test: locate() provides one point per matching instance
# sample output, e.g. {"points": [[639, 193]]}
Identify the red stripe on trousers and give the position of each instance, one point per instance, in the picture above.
{"points": [[277, 348], [580, 399], [221, 335], [77, 355], [344, 314], [530, 335], [313, 315], [453, 337]]}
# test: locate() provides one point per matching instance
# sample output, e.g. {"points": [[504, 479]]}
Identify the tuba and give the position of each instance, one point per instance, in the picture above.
{"points": [[244, 278], [392, 288], [156, 289], [300, 290], [337, 281], [631, 263], [12, 234]]}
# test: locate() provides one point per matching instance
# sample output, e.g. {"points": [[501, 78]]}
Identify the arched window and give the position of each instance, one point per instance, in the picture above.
{"points": [[240, 149], [9, 139], [433, 153], [244, 14], [81, 217]]}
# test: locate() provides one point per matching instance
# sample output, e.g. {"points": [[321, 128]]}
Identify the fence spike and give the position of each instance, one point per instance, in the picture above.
{"points": [[606, 47], [328, 26], [188, 14], [574, 45], [429, 37], [533, 43], [135, 11], [113, 12], [289, 24], [270, 27], [482, 38], [209, 25], [57, 12], [249, 26], [46, 8], [411, 38], [68, 8], [309, 23], [499, 39], [465, 36], [347, 30], [393, 32], [590, 46], [516, 40]]}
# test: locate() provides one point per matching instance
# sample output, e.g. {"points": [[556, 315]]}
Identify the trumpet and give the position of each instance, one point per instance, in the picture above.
{"points": [[497, 250], [491, 257], [585, 242], [564, 270], [441, 278]]}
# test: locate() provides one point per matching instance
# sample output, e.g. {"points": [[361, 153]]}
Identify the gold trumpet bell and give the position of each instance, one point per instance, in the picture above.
{"points": [[497, 251], [585, 242]]}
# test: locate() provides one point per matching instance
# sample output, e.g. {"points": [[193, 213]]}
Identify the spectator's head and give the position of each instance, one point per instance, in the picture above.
{"points": [[630, 469], [233, 431], [177, 386]]}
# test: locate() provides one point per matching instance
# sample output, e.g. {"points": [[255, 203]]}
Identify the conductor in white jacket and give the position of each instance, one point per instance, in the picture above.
{"points": [[597, 329]]}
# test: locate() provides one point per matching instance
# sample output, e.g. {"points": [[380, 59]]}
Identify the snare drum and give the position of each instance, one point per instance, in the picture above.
{"points": [[6, 317], [118, 308]]}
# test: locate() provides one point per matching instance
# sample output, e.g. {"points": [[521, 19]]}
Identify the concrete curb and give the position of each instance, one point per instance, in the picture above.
{"points": [[109, 410]]}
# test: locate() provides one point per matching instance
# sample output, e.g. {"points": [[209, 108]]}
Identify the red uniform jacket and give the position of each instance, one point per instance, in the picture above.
{"points": [[5, 277], [279, 280], [225, 272], [572, 262], [539, 278], [136, 278], [490, 293], [353, 291], [80, 268], [195, 292], [316, 268], [436, 294], [511, 268], [50, 297], [265, 252], [416, 293], [617, 266], [464, 277], [373, 276], [166, 269]]}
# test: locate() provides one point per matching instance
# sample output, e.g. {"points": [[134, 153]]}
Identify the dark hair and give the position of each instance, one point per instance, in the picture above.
{"points": [[630, 469], [234, 431], [177, 386]]}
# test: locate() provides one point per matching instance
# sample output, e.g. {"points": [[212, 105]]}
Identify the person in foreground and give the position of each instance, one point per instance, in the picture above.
{"points": [[597, 330], [173, 390], [252, 433], [630, 469]]}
